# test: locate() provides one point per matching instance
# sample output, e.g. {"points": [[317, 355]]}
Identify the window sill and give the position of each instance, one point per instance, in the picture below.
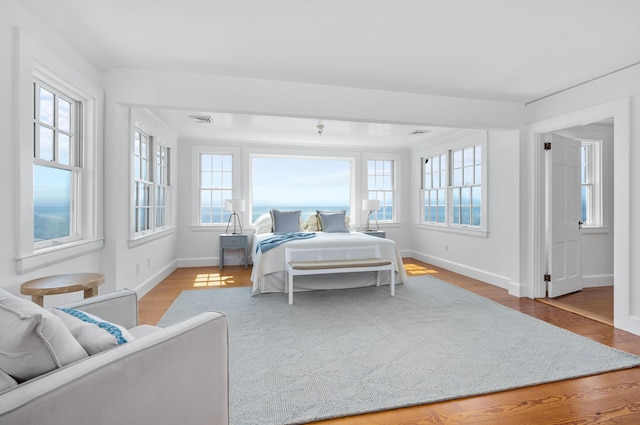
{"points": [[141, 240], [586, 230], [477, 233], [53, 255]]}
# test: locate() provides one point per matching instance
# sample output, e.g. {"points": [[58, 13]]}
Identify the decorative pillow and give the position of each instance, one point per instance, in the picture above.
{"points": [[312, 223], [285, 221], [263, 224], [6, 381], [33, 340], [93, 333], [333, 222]]}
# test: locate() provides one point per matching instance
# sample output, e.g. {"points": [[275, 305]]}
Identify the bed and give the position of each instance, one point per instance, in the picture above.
{"points": [[268, 273]]}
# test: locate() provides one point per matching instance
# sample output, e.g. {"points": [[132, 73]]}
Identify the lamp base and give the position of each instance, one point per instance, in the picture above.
{"points": [[236, 220]]}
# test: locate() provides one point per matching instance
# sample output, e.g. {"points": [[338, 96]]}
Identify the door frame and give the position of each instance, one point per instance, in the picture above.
{"points": [[619, 110]]}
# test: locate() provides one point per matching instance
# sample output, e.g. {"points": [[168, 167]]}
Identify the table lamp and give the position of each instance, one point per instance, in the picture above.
{"points": [[234, 205], [371, 205]]}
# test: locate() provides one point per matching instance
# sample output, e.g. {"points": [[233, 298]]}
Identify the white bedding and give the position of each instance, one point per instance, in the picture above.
{"points": [[268, 268]]}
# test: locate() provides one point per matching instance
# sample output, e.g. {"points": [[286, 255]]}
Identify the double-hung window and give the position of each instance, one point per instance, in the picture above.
{"points": [[216, 185], [590, 177], [452, 188], [381, 186], [152, 190], [57, 167]]}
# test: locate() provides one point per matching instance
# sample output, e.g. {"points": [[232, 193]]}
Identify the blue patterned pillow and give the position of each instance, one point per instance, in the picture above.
{"points": [[93, 333]]}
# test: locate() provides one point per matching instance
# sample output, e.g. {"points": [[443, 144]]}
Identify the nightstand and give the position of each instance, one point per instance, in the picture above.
{"points": [[376, 233], [234, 241]]}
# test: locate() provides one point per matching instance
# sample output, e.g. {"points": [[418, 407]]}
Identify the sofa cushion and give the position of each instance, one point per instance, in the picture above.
{"points": [[6, 381], [93, 333], [33, 340]]}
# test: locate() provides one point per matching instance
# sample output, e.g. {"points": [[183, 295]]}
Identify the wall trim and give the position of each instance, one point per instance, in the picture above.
{"points": [[146, 286]]}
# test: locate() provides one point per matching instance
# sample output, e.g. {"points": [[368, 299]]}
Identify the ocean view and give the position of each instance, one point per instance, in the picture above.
{"points": [[51, 223]]}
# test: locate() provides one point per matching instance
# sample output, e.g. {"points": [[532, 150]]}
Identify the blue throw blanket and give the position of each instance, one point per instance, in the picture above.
{"points": [[276, 240]]}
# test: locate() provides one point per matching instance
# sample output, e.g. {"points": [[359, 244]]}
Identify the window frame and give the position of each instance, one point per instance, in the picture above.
{"points": [[35, 62], [75, 160], [374, 193], [446, 148], [593, 177], [150, 180], [237, 164]]}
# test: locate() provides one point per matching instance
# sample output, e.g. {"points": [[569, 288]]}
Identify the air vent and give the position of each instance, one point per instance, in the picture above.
{"points": [[418, 132], [201, 119]]}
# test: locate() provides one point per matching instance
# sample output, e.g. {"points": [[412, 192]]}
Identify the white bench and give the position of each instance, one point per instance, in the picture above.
{"points": [[313, 261]]}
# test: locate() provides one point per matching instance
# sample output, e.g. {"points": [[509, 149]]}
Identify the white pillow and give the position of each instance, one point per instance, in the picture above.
{"points": [[33, 340], [263, 224], [6, 381], [93, 333]]}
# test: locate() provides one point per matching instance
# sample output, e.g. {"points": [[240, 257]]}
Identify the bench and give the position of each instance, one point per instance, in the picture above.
{"points": [[313, 261]]}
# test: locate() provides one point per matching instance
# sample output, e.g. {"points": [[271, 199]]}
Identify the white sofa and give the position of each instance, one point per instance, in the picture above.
{"points": [[174, 375]]}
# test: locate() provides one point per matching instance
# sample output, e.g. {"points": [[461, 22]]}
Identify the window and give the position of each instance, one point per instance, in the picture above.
{"points": [[466, 189], [306, 184], [591, 196], [381, 186], [452, 188], [216, 185], [57, 167], [434, 183], [151, 191]]}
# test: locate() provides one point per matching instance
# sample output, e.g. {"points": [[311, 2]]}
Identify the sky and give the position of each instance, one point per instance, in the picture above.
{"points": [[301, 182]]}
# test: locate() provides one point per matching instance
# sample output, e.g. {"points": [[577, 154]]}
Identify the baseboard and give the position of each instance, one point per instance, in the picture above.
{"points": [[595, 281], [158, 277], [482, 275]]}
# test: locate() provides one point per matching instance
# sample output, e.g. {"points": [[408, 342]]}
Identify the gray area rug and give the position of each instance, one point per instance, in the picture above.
{"points": [[345, 352]]}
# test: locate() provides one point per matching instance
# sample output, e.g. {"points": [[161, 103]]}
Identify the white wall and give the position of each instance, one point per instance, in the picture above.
{"points": [[199, 245], [492, 256]]}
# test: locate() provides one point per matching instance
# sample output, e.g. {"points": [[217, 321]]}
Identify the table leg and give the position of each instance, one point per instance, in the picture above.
{"points": [[221, 258], [91, 292], [38, 299]]}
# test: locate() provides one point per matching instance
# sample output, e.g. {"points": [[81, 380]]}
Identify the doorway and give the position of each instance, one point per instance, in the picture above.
{"points": [[580, 211], [535, 286]]}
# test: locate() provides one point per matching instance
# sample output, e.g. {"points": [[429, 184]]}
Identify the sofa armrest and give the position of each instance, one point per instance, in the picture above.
{"points": [[176, 375], [120, 307]]}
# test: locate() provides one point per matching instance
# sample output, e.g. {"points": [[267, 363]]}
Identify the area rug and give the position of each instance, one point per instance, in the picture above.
{"points": [[346, 352]]}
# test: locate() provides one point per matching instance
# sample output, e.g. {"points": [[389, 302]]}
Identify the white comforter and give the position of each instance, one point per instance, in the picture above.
{"points": [[268, 267]]}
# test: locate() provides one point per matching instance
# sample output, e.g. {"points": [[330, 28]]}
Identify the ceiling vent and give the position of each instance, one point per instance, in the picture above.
{"points": [[201, 119], [419, 132]]}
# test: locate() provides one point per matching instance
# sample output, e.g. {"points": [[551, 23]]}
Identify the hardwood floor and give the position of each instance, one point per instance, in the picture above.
{"points": [[609, 398], [594, 303]]}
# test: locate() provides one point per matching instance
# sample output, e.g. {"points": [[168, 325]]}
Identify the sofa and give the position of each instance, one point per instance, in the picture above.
{"points": [[173, 375]]}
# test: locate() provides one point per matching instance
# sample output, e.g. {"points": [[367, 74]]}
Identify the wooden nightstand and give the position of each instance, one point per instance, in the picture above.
{"points": [[237, 241], [376, 233]]}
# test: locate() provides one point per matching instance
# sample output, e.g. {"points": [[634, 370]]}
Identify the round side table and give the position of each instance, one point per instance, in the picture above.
{"points": [[62, 284]]}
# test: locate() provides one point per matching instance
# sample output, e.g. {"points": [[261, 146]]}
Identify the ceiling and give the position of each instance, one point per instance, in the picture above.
{"points": [[505, 50]]}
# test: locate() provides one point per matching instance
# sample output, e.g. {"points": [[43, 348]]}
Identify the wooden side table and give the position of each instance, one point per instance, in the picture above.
{"points": [[234, 241], [62, 284]]}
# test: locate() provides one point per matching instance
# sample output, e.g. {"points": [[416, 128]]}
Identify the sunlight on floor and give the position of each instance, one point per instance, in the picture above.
{"points": [[212, 279], [417, 270]]}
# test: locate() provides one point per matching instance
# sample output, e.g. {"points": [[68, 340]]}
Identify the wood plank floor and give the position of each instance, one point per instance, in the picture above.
{"points": [[609, 398], [594, 303]]}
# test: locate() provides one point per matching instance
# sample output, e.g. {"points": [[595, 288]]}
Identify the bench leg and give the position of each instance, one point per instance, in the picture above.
{"points": [[290, 288], [393, 281]]}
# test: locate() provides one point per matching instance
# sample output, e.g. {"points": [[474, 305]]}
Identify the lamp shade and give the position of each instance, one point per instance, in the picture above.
{"points": [[234, 204], [370, 204]]}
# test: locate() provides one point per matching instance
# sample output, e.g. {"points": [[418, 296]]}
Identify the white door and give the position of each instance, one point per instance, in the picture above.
{"points": [[563, 215]]}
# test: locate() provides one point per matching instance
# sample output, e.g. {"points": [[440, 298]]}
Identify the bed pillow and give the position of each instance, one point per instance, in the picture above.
{"points": [[33, 340], [263, 224], [312, 224], [333, 222], [285, 221], [93, 333]]}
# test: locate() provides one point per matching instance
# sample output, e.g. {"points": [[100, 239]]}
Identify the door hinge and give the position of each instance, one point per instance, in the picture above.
{"points": [[547, 277], [547, 146]]}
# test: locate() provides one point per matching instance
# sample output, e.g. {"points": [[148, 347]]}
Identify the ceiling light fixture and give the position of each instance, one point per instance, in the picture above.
{"points": [[320, 128]]}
